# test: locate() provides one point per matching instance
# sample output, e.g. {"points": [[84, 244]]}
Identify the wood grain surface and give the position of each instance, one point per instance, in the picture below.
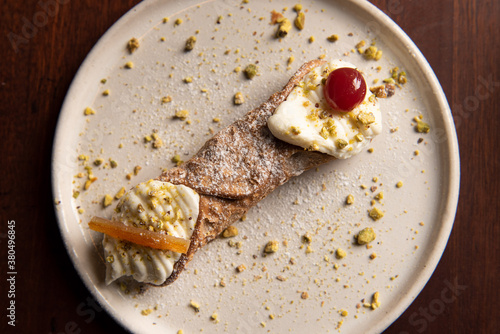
{"points": [[459, 38]]}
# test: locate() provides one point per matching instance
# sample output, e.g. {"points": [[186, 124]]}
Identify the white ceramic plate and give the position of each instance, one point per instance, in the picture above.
{"points": [[410, 238]]}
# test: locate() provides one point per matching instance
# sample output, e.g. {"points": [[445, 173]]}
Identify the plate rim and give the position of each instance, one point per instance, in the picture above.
{"points": [[453, 166]]}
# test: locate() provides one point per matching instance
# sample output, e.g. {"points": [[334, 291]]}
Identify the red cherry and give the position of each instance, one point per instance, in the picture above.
{"points": [[345, 89]]}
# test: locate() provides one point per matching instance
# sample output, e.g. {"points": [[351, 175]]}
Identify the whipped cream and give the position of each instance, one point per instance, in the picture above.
{"points": [[156, 206], [305, 119]]}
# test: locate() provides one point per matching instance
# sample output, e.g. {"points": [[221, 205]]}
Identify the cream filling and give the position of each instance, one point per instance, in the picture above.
{"points": [[157, 206], [305, 119]]}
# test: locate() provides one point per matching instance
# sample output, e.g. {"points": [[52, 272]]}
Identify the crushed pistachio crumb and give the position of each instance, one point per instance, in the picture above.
{"points": [[166, 99], [304, 295], [250, 71], [297, 7], [239, 98], [307, 238], [333, 38], [188, 79], [190, 42], [349, 200], [98, 161], [146, 312], [195, 305], [300, 20], [271, 247], [178, 22], [89, 111], [241, 268], [120, 193], [340, 253], [181, 114], [376, 214], [373, 255], [311, 39], [365, 236], [133, 45], [230, 231], [399, 184], [177, 159], [375, 301], [284, 27], [137, 169], [106, 92], [422, 127], [379, 196], [341, 144], [108, 199]]}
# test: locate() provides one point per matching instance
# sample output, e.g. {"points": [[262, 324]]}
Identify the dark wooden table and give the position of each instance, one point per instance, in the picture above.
{"points": [[459, 38]]}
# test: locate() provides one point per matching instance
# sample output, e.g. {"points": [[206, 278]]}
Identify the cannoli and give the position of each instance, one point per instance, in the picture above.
{"points": [[235, 169]]}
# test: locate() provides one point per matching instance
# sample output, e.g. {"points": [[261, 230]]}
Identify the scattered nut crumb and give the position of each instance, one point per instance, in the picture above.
{"points": [[271, 247], [133, 45], [230, 231]]}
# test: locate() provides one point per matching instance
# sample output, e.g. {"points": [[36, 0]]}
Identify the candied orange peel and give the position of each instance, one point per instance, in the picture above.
{"points": [[139, 236]]}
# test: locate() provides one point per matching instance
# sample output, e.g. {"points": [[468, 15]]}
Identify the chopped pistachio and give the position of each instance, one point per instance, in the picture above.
{"points": [[300, 20], [181, 114], [399, 184], [195, 305], [360, 44], [120, 193], [250, 71], [178, 22], [378, 55], [241, 268], [239, 98], [307, 238], [188, 79], [137, 169], [166, 99], [271, 247], [106, 92], [284, 28], [344, 313], [375, 214], [230, 231], [290, 60], [375, 301], [295, 130], [190, 42], [98, 161], [365, 236], [165, 19], [366, 118], [341, 143], [133, 45], [422, 127], [340, 253], [370, 52], [297, 7], [333, 38], [379, 196], [89, 111], [129, 65], [177, 159], [76, 193], [359, 137], [311, 39], [349, 200], [108, 199]]}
